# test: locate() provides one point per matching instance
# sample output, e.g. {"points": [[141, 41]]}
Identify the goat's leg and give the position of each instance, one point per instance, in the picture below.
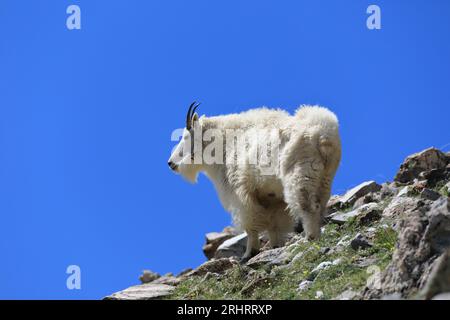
{"points": [[274, 240], [277, 238], [300, 189], [252, 245]]}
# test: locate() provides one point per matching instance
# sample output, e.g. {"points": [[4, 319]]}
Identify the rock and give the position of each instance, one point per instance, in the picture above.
{"points": [[319, 294], [304, 286], [333, 204], [392, 296], [433, 176], [184, 272], [210, 275], [365, 262], [423, 235], [360, 242], [439, 278], [442, 296], [299, 256], [294, 239], [368, 198], [369, 214], [343, 217], [271, 257], [364, 214], [320, 267], [148, 276], [371, 232], [401, 204], [429, 194], [147, 291], [215, 266], [233, 247], [260, 279], [346, 295], [357, 192], [387, 190], [343, 243], [405, 191], [215, 239], [425, 160], [437, 233], [167, 279], [418, 186]]}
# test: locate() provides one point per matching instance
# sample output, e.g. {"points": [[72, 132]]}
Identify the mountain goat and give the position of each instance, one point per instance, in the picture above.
{"points": [[274, 171]]}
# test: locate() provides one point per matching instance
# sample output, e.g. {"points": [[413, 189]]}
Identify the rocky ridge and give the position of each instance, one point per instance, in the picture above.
{"points": [[388, 241]]}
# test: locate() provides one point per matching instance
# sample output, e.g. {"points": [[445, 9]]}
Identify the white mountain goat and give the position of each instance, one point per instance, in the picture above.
{"points": [[274, 170]]}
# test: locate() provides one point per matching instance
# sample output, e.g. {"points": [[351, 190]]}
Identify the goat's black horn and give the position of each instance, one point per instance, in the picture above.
{"points": [[193, 110], [189, 115]]}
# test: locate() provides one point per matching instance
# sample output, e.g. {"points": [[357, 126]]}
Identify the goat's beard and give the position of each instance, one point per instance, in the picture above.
{"points": [[189, 171]]}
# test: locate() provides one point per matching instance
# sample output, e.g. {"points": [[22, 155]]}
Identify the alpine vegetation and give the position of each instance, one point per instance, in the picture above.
{"points": [[271, 170]]}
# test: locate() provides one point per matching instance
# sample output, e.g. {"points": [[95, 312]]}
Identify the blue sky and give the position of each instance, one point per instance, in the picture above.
{"points": [[86, 118]]}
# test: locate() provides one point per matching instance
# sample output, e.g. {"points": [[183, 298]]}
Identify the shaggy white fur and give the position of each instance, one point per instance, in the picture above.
{"points": [[309, 152]]}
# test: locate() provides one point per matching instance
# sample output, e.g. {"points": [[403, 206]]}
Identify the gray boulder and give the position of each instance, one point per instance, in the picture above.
{"points": [[360, 242], [429, 194], [357, 192], [322, 266], [304, 286], [147, 291], [434, 176], [442, 296], [218, 266], [417, 163], [368, 198], [364, 214], [233, 247], [148, 276], [215, 239], [347, 295], [271, 257], [167, 279], [423, 235], [439, 278], [387, 190], [401, 204]]}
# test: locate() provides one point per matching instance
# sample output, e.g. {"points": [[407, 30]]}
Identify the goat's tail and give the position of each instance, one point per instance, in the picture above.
{"points": [[323, 125], [327, 146]]}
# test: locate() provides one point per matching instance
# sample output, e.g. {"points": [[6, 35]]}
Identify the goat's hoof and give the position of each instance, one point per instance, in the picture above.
{"points": [[247, 257], [313, 237], [244, 260]]}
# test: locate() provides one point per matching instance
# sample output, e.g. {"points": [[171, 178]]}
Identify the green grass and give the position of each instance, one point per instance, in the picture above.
{"points": [[442, 189], [282, 282]]}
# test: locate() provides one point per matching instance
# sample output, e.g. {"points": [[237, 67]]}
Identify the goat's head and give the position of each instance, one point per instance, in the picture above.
{"points": [[182, 159]]}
